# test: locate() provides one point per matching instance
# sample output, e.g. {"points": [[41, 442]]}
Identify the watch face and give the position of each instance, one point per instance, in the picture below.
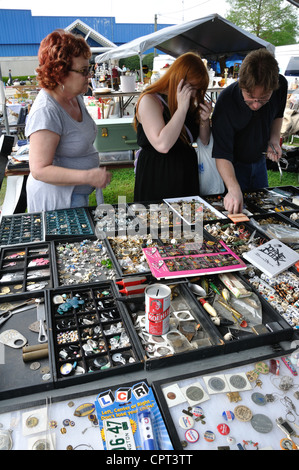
{"points": [[5, 440]]}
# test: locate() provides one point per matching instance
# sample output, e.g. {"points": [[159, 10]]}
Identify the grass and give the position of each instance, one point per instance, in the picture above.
{"points": [[122, 184]]}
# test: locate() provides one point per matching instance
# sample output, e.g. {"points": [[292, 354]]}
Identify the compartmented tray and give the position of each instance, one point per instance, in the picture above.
{"points": [[91, 337], [191, 335], [83, 262], [265, 201], [239, 237], [290, 239], [127, 254], [22, 228], [157, 216], [25, 268], [19, 377], [281, 291], [116, 220], [248, 329], [66, 223], [203, 211], [292, 217], [216, 200], [288, 192]]}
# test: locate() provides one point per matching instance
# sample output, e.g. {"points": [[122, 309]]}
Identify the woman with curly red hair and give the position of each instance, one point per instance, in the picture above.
{"points": [[170, 115], [64, 164]]}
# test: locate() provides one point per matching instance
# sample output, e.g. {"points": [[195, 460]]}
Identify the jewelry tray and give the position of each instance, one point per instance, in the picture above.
{"points": [[98, 319], [214, 403], [22, 228], [26, 268]]}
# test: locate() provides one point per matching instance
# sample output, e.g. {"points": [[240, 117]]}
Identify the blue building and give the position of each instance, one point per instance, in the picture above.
{"points": [[21, 34]]}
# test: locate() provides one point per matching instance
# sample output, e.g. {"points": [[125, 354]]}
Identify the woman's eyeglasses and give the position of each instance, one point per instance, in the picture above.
{"points": [[85, 71]]}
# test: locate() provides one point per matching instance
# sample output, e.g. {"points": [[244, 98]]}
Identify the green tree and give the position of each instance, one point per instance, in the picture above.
{"points": [[271, 20], [133, 62]]}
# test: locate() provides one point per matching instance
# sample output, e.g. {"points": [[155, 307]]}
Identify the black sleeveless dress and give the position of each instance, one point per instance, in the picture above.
{"points": [[160, 176]]}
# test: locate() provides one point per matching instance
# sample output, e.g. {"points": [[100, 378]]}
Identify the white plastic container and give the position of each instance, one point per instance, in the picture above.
{"points": [[127, 83]]}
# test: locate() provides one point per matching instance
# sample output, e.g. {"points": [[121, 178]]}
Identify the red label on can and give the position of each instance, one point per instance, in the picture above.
{"points": [[157, 313]]}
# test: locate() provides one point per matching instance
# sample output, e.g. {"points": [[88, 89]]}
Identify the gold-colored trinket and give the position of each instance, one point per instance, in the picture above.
{"points": [[234, 397]]}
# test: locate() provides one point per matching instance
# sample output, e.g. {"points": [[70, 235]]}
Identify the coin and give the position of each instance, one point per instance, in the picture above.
{"points": [[237, 381], [35, 365], [243, 413], [261, 423], [194, 393], [217, 384], [32, 421]]}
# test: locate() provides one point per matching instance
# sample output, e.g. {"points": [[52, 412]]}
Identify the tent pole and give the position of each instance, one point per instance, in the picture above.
{"points": [[3, 101], [141, 71]]}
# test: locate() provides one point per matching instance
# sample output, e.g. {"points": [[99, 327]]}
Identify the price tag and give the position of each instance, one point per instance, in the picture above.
{"points": [[118, 434]]}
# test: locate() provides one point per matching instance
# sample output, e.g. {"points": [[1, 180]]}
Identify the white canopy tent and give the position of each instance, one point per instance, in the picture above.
{"points": [[212, 37]]}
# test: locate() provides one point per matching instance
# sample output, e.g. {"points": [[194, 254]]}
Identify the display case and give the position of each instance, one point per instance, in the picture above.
{"points": [[250, 407], [26, 268], [90, 335], [25, 357]]}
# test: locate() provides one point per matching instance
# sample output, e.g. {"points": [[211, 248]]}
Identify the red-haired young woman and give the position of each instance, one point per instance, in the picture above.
{"points": [[170, 115]]}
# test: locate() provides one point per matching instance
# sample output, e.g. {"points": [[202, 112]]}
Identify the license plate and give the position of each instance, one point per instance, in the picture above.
{"points": [[118, 434]]}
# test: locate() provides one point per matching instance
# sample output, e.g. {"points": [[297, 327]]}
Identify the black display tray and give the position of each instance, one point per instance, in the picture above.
{"points": [[251, 340], [220, 399], [113, 220], [209, 341], [25, 268], [291, 190], [99, 319], [273, 218], [288, 217], [262, 201], [22, 228], [17, 377], [236, 234], [83, 261], [68, 223]]}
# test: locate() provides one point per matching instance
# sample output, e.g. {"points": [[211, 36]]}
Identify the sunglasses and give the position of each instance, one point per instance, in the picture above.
{"points": [[85, 71]]}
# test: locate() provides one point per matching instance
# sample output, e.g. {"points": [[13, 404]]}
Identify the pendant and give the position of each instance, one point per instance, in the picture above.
{"points": [[5, 439]]}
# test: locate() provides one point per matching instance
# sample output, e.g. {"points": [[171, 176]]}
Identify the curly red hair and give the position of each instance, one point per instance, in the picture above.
{"points": [[55, 56]]}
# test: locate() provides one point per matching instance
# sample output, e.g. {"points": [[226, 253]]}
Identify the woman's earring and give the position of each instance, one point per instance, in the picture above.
{"points": [[62, 87]]}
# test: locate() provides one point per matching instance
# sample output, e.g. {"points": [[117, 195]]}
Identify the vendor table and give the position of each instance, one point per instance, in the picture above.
{"points": [[125, 98], [44, 243]]}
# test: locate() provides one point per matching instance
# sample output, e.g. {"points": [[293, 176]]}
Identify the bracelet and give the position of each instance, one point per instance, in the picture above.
{"points": [[254, 444]]}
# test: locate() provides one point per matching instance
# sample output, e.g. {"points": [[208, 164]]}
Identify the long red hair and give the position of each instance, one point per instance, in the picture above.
{"points": [[189, 67]]}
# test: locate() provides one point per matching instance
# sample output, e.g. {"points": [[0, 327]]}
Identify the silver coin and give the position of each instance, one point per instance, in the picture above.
{"points": [[217, 384], [194, 393], [261, 423], [35, 366], [237, 381]]}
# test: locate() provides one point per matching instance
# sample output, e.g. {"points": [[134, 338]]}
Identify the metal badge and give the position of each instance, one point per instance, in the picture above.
{"points": [[13, 339], [261, 423]]}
